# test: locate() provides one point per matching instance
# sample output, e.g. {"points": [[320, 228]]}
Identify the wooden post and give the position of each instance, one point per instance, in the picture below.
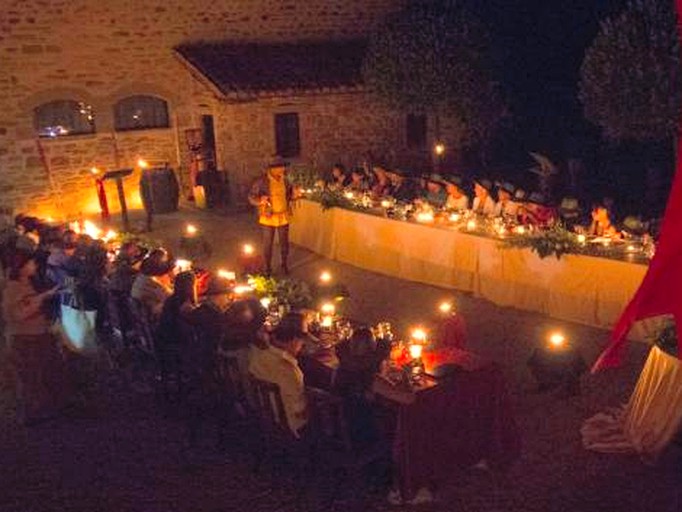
{"points": [[122, 202]]}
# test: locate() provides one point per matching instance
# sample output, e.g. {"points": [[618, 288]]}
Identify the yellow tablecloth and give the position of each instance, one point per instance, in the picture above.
{"points": [[583, 289]]}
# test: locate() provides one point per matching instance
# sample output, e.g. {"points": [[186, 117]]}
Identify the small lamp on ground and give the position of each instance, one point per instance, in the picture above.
{"points": [[557, 365], [249, 261]]}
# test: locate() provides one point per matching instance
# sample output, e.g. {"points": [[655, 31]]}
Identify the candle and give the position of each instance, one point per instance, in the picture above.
{"points": [[445, 307], [519, 230], [226, 274], [454, 217], [557, 340], [265, 302], [241, 289], [94, 171], [327, 321], [425, 217], [248, 249], [328, 308], [183, 265], [582, 239], [471, 225], [191, 230], [349, 195], [325, 277], [385, 203], [142, 164], [419, 334], [416, 350]]}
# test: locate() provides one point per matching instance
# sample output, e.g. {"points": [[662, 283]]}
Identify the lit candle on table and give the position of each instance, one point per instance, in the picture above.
{"points": [[556, 341], [325, 277], [191, 230]]}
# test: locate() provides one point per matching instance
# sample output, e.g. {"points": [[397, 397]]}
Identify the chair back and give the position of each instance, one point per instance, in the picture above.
{"points": [[229, 376], [328, 419], [269, 406], [144, 324]]}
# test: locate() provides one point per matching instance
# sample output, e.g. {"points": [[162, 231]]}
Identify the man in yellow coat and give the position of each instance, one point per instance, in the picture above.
{"points": [[273, 196]]}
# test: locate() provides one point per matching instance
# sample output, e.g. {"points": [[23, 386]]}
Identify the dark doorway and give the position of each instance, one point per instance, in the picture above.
{"points": [[208, 146]]}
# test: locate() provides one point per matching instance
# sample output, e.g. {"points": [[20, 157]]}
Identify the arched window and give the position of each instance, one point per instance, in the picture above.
{"points": [[140, 113], [64, 117]]}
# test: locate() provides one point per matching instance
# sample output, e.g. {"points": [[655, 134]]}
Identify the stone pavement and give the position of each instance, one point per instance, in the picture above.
{"points": [[129, 456]]}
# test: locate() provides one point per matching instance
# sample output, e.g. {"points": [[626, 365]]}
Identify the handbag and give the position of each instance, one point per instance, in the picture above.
{"points": [[78, 327]]}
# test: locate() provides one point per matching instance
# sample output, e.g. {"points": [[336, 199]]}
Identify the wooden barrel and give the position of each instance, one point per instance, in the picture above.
{"points": [[159, 190]]}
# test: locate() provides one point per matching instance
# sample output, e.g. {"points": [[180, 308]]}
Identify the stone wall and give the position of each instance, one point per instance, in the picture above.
{"points": [[99, 51]]}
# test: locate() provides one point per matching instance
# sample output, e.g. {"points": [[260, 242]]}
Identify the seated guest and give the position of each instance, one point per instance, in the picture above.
{"points": [[126, 268], [401, 188], [154, 285], [569, 212], [358, 180], [381, 185], [435, 193], [505, 206], [277, 364], [457, 200], [360, 362], [172, 331], [338, 179], [601, 222], [483, 203], [537, 212]]}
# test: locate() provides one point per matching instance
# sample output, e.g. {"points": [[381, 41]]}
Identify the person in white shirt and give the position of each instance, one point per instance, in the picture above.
{"points": [[483, 203], [277, 364], [505, 207], [457, 200]]}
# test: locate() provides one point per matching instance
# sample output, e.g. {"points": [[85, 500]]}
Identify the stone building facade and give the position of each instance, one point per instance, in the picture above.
{"points": [[100, 52]]}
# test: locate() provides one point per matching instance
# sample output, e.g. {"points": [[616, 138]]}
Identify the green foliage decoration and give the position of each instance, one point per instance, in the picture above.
{"points": [[630, 81], [555, 241], [434, 58]]}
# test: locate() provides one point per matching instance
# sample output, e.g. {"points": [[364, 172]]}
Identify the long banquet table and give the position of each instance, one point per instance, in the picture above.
{"points": [[584, 289]]}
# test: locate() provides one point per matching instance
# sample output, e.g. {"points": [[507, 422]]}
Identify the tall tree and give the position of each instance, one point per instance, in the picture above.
{"points": [[630, 82], [434, 57]]}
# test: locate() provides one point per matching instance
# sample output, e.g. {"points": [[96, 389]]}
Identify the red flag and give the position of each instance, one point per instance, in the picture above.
{"points": [[661, 290]]}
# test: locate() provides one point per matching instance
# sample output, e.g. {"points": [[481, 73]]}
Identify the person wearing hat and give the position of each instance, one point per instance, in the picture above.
{"points": [[457, 200], [569, 212], [358, 180], [536, 211], [435, 193], [401, 187], [273, 196], [483, 202], [153, 285], [505, 206]]}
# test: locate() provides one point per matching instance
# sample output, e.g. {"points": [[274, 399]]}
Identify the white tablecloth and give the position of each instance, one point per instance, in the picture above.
{"points": [[584, 289]]}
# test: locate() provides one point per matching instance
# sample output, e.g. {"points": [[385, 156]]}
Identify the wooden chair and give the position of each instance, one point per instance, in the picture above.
{"points": [[333, 447]]}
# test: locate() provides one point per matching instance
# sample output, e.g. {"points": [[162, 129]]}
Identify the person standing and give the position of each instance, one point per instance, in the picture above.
{"points": [[273, 196]]}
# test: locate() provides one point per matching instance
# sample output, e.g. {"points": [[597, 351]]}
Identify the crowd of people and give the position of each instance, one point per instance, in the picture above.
{"points": [[190, 315], [483, 196]]}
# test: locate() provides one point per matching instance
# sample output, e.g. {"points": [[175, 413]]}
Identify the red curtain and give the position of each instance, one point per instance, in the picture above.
{"points": [[661, 290]]}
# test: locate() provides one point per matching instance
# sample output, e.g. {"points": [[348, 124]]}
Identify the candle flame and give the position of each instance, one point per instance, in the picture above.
{"points": [[328, 308], [242, 289], [445, 307], [265, 302], [325, 276], [454, 217], [416, 350], [191, 229], [248, 249], [439, 148], [471, 225], [557, 340], [581, 239], [142, 164], [226, 274], [327, 321], [385, 203], [419, 334], [183, 265], [94, 171]]}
